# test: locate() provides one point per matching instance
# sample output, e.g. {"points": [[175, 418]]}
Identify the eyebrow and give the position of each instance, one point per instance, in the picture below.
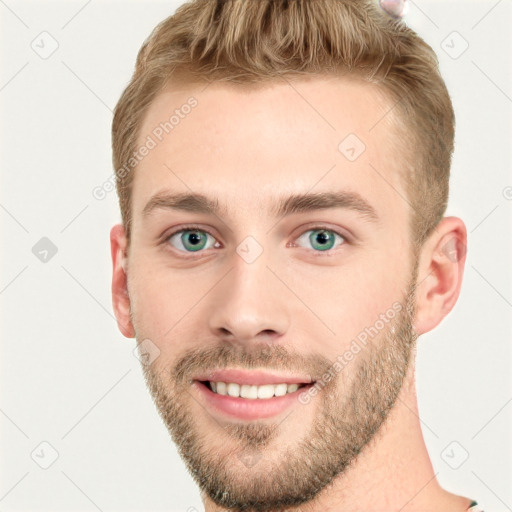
{"points": [[296, 203]]}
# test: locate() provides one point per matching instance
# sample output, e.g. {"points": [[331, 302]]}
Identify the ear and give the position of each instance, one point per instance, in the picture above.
{"points": [[440, 272], [120, 297]]}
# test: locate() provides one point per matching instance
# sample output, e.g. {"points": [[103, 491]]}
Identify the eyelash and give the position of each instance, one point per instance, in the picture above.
{"points": [[192, 227]]}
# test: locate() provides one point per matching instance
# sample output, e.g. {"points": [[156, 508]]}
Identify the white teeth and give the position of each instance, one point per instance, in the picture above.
{"points": [[266, 391], [233, 389], [292, 388], [247, 391], [252, 392], [281, 389]]}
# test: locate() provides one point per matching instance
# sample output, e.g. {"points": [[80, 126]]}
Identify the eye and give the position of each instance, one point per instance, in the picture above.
{"points": [[321, 238], [190, 239], [195, 239]]}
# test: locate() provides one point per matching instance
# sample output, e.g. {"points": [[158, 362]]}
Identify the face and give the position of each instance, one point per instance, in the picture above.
{"points": [[316, 291]]}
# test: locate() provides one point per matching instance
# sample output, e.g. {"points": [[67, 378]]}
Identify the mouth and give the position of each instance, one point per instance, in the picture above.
{"points": [[252, 392], [248, 396]]}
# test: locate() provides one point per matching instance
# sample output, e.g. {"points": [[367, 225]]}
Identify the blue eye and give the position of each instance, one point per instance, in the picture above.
{"points": [[194, 239], [191, 240], [321, 239]]}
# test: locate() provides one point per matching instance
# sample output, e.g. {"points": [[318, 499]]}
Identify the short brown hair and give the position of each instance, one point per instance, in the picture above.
{"points": [[254, 41]]}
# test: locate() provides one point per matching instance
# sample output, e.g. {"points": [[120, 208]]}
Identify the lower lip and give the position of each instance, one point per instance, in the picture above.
{"points": [[248, 409]]}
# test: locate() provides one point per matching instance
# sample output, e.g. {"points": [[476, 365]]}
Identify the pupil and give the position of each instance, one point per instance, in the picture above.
{"points": [[323, 237], [194, 238]]}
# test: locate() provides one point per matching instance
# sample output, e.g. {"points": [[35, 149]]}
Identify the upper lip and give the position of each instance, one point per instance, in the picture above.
{"points": [[253, 377]]}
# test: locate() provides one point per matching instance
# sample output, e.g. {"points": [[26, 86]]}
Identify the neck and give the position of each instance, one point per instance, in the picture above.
{"points": [[393, 472]]}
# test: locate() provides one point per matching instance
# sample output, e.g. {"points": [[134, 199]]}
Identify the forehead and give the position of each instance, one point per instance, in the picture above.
{"points": [[248, 145]]}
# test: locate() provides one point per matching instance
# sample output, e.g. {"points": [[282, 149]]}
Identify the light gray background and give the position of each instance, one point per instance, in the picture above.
{"points": [[68, 376]]}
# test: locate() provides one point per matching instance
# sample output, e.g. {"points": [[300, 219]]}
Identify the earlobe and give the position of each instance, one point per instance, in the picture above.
{"points": [[120, 296], [441, 269]]}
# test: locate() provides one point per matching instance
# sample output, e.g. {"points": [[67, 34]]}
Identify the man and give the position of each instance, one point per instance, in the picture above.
{"points": [[282, 170]]}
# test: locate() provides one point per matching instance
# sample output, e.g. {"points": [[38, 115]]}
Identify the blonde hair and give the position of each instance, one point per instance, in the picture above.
{"points": [[255, 41]]}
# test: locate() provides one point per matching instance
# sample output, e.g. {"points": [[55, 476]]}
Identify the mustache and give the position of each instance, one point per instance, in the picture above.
{"points": [[269, 357]]}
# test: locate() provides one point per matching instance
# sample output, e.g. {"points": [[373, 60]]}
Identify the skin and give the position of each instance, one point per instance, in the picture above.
{"points": [[295, 308]]}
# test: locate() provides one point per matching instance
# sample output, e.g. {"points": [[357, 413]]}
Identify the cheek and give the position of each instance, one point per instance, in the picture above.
{"points": [[355, 298], [166, 303], [154, 299]]}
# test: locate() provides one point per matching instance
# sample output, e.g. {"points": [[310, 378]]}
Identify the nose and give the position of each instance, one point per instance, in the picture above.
{"points": [[249, 305]]}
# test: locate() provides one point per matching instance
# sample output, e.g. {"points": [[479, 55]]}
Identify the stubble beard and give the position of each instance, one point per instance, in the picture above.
{"points": [[244, 465]]}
